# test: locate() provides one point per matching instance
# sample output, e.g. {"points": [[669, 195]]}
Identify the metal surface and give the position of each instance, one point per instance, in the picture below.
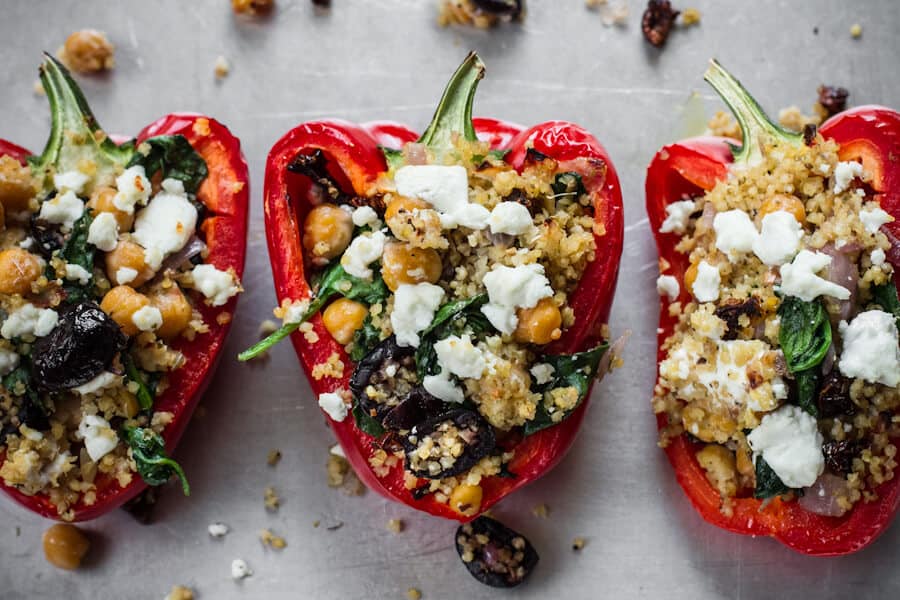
{"points": [[379, 59]]}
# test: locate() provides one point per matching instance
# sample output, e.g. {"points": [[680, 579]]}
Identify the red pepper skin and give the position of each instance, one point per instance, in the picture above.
{"points": [[354, 151], [225, 192], [693, 166]]}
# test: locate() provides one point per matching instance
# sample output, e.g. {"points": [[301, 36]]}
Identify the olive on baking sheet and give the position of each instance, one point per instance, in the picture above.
{"points": [[494, 554]]}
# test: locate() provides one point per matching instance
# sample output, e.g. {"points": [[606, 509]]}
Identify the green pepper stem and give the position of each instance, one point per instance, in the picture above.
{"points": [[454, 112], [75, 134], [756, 127]]}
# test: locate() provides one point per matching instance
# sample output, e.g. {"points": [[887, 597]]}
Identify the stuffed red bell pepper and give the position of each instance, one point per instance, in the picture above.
{"points": [[447, 293], [777, 399], [119, 270]]}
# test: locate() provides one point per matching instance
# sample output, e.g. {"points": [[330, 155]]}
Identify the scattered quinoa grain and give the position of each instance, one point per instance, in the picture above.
{"points": [[273, 502], [252, 7], [690, 16], [267, 327], [541, 511], [221, 67], [179, 592], [578, 543], [856, 31], [274, 457], [269, 539], [395, 525], [413, 594]]}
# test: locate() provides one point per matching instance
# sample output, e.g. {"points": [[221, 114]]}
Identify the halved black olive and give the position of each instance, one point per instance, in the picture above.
{"points": [[47, 236], [417, 407], [80, 347], [839, 455], [834, 397], [390, 371], [494, 554], [456, 440], [501, 8]]}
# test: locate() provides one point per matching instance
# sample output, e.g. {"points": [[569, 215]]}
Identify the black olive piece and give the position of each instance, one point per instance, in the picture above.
{"points": [[519, 196], [322, 3], [372, 365], [417, 407], [314, 166], [503, 561], [533, 156], [501, 8], [839, 455], [833, 99], [465, 425], [81, 346], [657, 22], [143, 506], [33, 413], [809, 133], [834, 397], [731, 312], [47, 236]]}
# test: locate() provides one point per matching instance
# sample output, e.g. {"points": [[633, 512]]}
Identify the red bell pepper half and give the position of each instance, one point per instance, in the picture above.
{"points": [[356, 159], [225, 193], [689, 168]]}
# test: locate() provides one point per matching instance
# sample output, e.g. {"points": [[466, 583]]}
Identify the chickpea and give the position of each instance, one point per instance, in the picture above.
{"points": [[65, 546], [18, 269], [175, 309], [102, 201], [121, 303], [327, 232], [402, 263], [466, 499], [16, 186], [343, 317], [539, 325], [400, 204], [790, 204], [128, 255], [252, 7], [690, 276], [88, 51]]}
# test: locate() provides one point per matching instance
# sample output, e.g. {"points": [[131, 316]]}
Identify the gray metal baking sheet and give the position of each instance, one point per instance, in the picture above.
{"points": [[387, 59]]}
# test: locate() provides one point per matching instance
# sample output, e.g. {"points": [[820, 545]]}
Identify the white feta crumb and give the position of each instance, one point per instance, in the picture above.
{"points": [[363, 251], [873, 219], [446, 188], [99, 383], [218, 530], [333, 405], [824, 168], [542, 373], [240, 569], [218, 286], [363, 216], [78, 273], [221, 68], [99, 438], [73, 181], [870, 349], [104, 232], [414, 308], [133, 188], [844, 174], [63, 210], [125, 275], [510, 288], [780, 238], [166, 224], [877, 257], [799, 278], [442, 387], [666, 285], [735, 233], [337, 451], [29, 320], [510, 218], [678, 215], [147, 318], [706, 285], [788, 439], [9, 360], [459, 356]]}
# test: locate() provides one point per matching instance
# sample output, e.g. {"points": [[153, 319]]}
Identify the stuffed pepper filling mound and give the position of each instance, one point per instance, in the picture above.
{"points": [[784, 364], [445, 285], [101, 270]]}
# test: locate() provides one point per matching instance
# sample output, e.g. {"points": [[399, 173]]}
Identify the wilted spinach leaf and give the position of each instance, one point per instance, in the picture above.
{"points": [[805, 333], [807, 388], [366, 422], [77, 251], [32, 411], [568, 184], [768, 484], [174, 156], [144, 394], [451, 318], [885, 296], [149, 453], [364, 339]]}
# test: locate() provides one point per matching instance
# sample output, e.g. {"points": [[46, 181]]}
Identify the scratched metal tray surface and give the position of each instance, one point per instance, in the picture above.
{"points": [[387, 59]]}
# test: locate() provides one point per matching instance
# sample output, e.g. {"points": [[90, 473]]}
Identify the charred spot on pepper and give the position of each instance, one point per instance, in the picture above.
{"points": [[839, 455], [315, 166], [81, 346], [833, 99], [448, 444], [494, 554], [512, 9], [383, 378], [417, 407], [834, 396], [732, 311], [657, 21]]}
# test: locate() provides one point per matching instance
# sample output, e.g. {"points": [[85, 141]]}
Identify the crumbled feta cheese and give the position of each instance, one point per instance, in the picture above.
{"points": [[125, 275], [99, 438], [78, 273], [799, 278], [414, 308], [877, 257], [446, 188], [70, 181], [217, 530], [363, 216], [147, 318], [666, 285], [100, 382], [133, 189], [706, 285], [678, 215], [824, 168], [735, 233], [29, 320], [337, 451], [510, 288], [511, 218], [63, 210], [460, 357], [788, 439], [780, 238], [870, 349], [240, 569], [844, 174], [363, 251], [295, 311], [333, 405], [9, 360], [542, 373], [218, 286], [873, 219], [166, 224], [104, 232]]}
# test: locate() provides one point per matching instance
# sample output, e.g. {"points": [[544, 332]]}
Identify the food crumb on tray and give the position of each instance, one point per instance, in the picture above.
{"points": [[274, 457], [271, 499], [87, 51], [179, 592], [413, 594], [578, 543], [252, 7], [269, 539], [221, 68], [541, 511], [396, 525], [240, 569], [217, 530]]}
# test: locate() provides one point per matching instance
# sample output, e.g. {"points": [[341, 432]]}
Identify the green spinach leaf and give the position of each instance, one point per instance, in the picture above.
{"points": [[768, 484], [805, 333], [149, 453], [807, 388], [174, 156], [568, 184], [144, 393], [453, 317], [77, 251], [885, 296], [364, 340], [569, 370], [365, 422]]}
